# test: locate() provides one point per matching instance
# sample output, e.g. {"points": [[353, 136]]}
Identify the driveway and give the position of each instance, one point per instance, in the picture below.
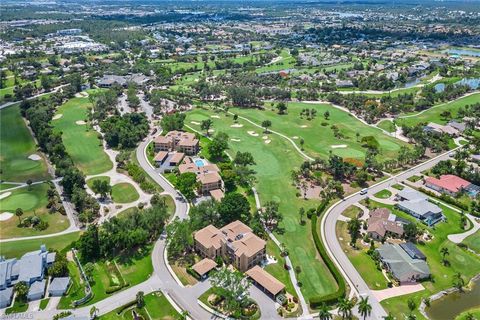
{"points": [[397, 291]]}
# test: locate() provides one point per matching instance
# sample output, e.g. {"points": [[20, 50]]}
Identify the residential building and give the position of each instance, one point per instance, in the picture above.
{"points": [[404, 261], [30, 268], [440, 129], [6, 296], [36, 290], [448, 183], [417, 205], [382, 223], [234, 242], [185, 142], [58, 286], [209, 182], [109, 80]]}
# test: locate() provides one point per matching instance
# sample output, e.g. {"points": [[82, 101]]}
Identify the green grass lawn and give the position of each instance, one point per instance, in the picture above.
{"points": [[360, 259], [277, 269], [387, 125], [157, 305], [33, 200], [17, 307], [433, 114], [100, 178], [319, 139], [16, 144], [474, 312], [76, 290], [81, 141], [383, 194], [124, 193], [473, 241], [44, 303], [4, 186], [352, 212], [460, 260], [398, 186], [15, 249], [132, 269], [274, 164]]}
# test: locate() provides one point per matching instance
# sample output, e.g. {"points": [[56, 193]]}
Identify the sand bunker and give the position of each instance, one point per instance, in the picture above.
{"points": [[5, 216], [34, 157], [338, 146], [4, 195], [80, 122], [268, 141], [295, 137], [253, 133], [211, 130], [216, 117], [57, 116], [304, 126], [265, 137], [236, 125], [235, 140], [195, 122]]}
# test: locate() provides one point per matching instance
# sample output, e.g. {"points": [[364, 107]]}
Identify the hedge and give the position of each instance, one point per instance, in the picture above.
{"points": [[445, 198], [331, 298]]}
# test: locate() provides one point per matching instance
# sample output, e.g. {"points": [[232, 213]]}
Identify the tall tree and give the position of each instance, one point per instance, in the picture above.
{"points": [[364, 307], [233, 287]]}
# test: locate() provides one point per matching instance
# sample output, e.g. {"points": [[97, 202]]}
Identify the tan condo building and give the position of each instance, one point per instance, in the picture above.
{"points": [[185, 142], [235, 243]]}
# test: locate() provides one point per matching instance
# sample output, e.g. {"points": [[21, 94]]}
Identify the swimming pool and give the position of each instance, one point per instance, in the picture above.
{"points": [[199, 162]]}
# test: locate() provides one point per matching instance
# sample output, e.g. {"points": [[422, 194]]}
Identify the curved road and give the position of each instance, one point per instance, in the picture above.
{"points": [[332, 245]]}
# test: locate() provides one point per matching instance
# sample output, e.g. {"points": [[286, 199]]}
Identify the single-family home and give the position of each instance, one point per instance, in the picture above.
{"points": [[404, 261], [383, 223], [440, 129], [417, 205], [447, 183]]}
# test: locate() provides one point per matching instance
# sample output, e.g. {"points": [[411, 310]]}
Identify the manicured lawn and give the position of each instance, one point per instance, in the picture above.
{"points": [[463, 315], [33, 200], [76, 290], [460, 260], [81, 141], [157, 305], [433, 114], [100, 178], [360, 259], [4, 186], [352, 212], [384, 194], [16, 144], [124, 193], [274, 164], [398, 186], [387, 125], [319, 140], [15, 249], [473, 241], [17, 307], [277, 269], [414, 178], [182, 274]]}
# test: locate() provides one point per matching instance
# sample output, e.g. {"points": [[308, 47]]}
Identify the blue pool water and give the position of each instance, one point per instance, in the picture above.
{"points": [[199, 163]]}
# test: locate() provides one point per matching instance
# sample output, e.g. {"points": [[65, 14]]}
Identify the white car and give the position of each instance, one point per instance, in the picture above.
{"points": [[363, 191]]}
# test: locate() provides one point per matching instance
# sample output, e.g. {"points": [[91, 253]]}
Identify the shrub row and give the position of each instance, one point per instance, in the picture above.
{"points": [[446, 198], [331, 298], [192, 272]]}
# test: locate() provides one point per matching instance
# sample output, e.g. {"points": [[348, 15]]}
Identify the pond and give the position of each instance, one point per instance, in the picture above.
{"points": [[464, 52], [473, 83], [451, 305]]}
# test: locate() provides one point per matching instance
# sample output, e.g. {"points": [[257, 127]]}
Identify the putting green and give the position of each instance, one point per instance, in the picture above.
{"points": [[81, 141], [124, 193], [33, 201], [16, 144]]}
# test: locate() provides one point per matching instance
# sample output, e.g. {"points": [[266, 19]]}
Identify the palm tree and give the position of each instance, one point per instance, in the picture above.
{"points": [[364, 307], [324, 312], [345, 307], [19, 213]]}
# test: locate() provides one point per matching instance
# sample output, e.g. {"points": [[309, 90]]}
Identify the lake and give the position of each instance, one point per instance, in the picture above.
{"points": [[464, 52], [451, 305], [473, 83]]}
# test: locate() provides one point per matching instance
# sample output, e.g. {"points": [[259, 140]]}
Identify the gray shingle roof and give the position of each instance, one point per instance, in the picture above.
{"points": [[411, 194], [59, 284], [37, 287], [6, 295], [31, 267], [403, 267], [420, 207]]}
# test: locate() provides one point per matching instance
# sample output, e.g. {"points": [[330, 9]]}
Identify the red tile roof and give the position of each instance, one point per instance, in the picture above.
{"points": [[448, 182]]}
